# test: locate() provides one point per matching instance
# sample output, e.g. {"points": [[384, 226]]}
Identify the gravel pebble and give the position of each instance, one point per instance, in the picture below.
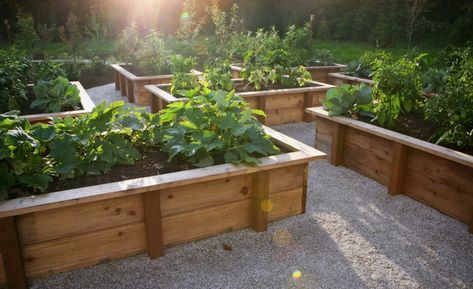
{"points": [[353, 235]]}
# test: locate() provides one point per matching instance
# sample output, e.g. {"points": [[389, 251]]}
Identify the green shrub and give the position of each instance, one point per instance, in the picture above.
{"points": [[349, 100], [453, 108], [14, 70], [26, 38], [397, 87], [47, 70], [129, 42], [55, 95], [152, 54], [434, 80]]}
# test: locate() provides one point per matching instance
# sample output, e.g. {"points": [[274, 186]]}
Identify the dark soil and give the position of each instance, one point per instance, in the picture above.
{"points": [[153, 163], [92, 77], [414, 125]]}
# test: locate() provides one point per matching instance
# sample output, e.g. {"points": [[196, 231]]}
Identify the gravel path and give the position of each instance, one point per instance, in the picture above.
{"points": [[353, 235]]}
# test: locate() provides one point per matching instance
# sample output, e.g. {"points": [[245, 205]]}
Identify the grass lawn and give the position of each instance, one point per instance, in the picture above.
{"points": [[345, 52]]}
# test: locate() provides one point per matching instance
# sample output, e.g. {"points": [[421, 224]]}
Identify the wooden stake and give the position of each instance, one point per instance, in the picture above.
{"points": [[398, 168], [117, 79], [336, 153], [262, 106], [261, 204], [11, 254], [153, 223]]}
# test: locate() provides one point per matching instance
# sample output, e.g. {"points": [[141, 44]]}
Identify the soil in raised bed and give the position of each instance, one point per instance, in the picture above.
{"points": [[153, 163], [415, 125]]}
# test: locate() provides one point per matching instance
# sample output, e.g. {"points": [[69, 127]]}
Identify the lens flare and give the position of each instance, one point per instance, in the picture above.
{"points": [[297, 274], [282, 238], [267, 206], [185, 15]]}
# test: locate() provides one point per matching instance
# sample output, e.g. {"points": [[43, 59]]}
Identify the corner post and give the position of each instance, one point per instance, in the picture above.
{"points": [[308, 102], [11, 254], [129, 90], [260, 204], [122, 85], [262, 106], [398, 169], [117, 79], [336, 153], [153, 224]]}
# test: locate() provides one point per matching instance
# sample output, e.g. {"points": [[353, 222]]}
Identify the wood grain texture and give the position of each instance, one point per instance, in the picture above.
{"points": [[260, 205], [3, 279], [153, 224], [116, 77], [441, 184], [46, 258], [10, 250], [122, 85], [130, 90], [323, 134], [398, 169], [367, 154], [73, 220], [337, 146]]}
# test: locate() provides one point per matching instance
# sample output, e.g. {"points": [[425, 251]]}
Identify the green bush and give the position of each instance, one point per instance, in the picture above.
{"points": [[453, 108], [129, 42], [14, 70], [349, 100], [152, 54], [26, 38], [397, 87]]}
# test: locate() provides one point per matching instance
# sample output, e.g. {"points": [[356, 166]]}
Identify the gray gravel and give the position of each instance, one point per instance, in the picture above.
{"points": [[353, 235]]}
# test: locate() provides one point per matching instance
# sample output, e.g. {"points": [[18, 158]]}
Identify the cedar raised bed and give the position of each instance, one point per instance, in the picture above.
{"points": [[434, 175], [61, 231], [132, 86], [319, 73], [339, 78], [86, 102], [280, 105]]}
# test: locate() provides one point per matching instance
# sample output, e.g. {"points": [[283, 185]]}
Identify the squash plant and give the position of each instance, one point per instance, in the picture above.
{"points": [[55, 95], [182, 79], [214, 127]]}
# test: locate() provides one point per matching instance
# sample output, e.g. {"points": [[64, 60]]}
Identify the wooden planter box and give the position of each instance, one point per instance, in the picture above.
{"points": [[281, 105], [132, 86], [434, 175], [319, 73], [341, 78], [87, 105], [61, 231]]}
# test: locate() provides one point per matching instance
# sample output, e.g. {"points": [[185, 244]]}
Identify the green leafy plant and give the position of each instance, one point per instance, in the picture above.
{"points": [[434, 80], [26, 38], [349, 100], [362, 67], [55, 95], [46, 70], [218, 76], [321, 57], [128, 44], [190, 26], [214, 127], [14, 69], [152, 54], [71, 34], [298, 42], [397, 87], [453, 108], [182, 78]]}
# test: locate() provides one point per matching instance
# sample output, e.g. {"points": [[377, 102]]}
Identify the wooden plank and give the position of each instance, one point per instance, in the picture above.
{"points": [[206, 222], [434, 149], [305, 184], [398, 169], [286, 204], [46, 258], [116, 76], [183, 198], [79, 219], [284, 179], [441, 184], [290, 100], [12, 255], [323, 134], [336, 156], [284, 115], [368, 155], [260, 205], [153, 224]]}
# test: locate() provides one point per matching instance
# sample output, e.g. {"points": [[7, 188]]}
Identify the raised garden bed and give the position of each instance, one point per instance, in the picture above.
{"points": [[60, 231], [319, 73], [339, 78], [434, 175], [280, 105], [86, 102], [132, 86]]}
